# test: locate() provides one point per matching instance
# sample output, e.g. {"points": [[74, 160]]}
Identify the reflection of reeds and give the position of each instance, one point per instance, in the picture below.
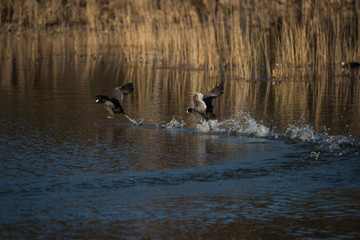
{"points": [[51, 58], [246, 38]]}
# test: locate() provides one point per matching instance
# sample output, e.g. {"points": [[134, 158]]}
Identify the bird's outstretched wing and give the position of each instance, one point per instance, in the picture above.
{"points": [[199, 104], [214, 93], [120, 92]]}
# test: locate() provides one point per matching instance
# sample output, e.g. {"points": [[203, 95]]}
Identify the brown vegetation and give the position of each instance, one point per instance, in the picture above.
{"points": [[246, 38]]}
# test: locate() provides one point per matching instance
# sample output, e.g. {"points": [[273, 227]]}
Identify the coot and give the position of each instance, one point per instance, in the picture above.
{"points": [[113, 105], [203, 107], [350, 65]]}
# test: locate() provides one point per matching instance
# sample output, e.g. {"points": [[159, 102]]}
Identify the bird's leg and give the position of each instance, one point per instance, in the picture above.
{"points": [[130, 119]]}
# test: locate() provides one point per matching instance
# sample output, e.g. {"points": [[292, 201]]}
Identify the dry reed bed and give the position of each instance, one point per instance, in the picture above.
{"points": [[248, 39]]}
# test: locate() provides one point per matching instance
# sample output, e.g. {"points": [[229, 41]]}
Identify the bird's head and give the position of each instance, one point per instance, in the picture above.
{"points": [[99, 99]]}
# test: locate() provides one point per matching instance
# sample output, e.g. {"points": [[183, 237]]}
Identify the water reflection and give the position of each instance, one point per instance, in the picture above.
{"points": [[327, 99], [281, 162]]}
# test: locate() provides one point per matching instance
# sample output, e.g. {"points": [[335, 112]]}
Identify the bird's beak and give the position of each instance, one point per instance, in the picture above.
{"points": [[97, 100]]}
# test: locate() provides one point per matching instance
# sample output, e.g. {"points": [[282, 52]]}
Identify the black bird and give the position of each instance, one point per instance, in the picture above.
{"points": [[203, 108], [113, 105], [350, 65]]}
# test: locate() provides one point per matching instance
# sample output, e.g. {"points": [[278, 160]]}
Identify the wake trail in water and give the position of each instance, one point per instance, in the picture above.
{"points": [[243, 124]]}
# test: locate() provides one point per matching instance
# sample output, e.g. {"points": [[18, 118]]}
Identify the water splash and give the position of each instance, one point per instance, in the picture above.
{"points": [[302, 134], [207, 126], [314, 155], [137, 122], [250, 126], [174, 124], [322, 142], [246, 125], [339, 145], [243, 124]]}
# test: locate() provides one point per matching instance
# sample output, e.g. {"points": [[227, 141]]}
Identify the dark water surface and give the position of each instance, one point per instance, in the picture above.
{"points": [[281, 162]]}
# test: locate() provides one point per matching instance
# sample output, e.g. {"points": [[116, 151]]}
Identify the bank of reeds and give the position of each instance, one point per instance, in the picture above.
{"points": [[248, 39]]}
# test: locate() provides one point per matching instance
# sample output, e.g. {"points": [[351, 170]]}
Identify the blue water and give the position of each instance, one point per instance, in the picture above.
{"points": [[67, 171]]}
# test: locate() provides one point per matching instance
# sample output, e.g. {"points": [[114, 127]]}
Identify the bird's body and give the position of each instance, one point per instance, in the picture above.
{"points": [[350, 65], [203, 107], [113, 105]]}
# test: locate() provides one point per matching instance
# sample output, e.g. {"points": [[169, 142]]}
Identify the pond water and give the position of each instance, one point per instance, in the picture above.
{"points": [[281, 161]]}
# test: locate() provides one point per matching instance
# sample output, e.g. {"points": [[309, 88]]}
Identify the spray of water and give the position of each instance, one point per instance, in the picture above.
{"points": [[174, 124], [243, 124]]}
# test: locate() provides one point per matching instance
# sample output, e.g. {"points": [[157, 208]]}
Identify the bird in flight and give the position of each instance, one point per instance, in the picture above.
{"points": [[113, 105], [203, 107]]}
